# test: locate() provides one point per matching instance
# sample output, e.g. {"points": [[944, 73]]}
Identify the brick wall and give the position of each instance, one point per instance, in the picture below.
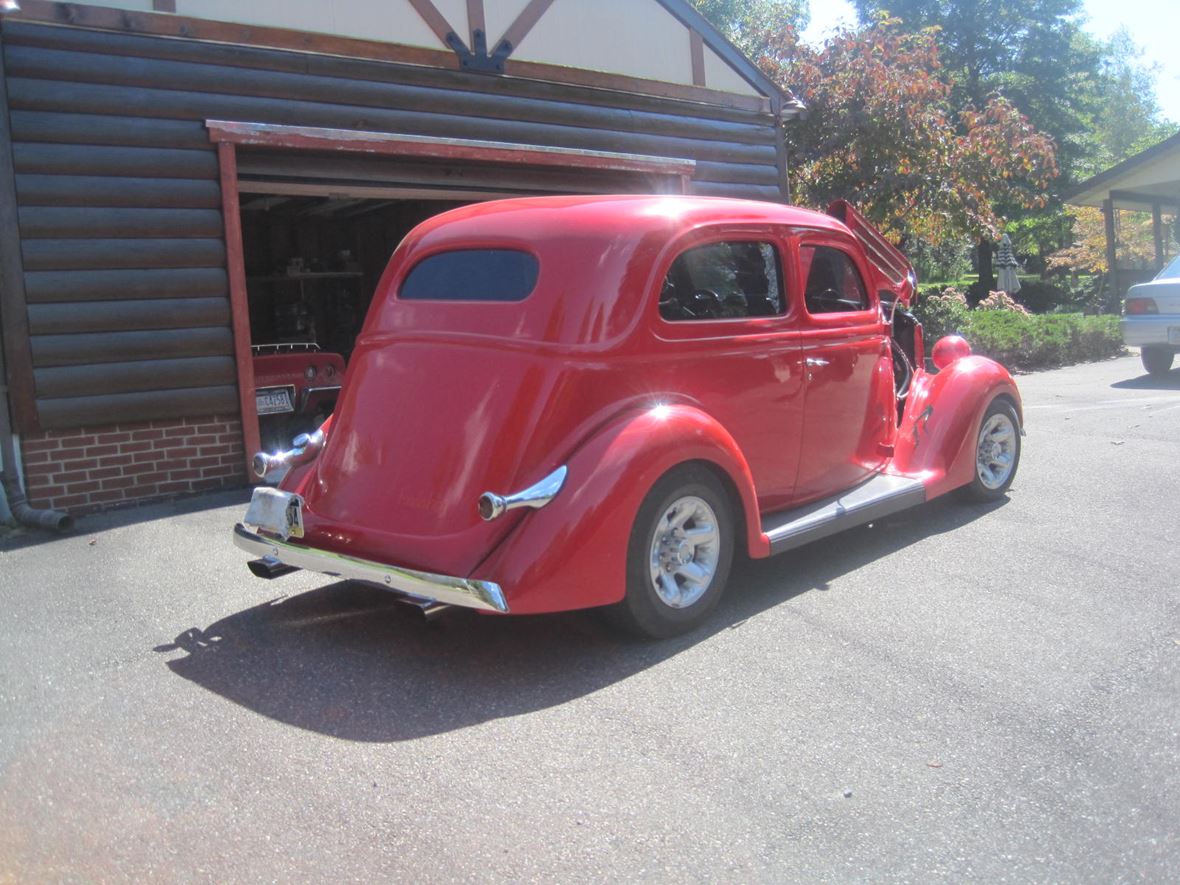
{"points": [[96, 467]]}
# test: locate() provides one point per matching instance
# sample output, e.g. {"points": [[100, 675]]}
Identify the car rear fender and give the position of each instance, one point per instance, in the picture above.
{"points": [[936, 438], [572, 553]]}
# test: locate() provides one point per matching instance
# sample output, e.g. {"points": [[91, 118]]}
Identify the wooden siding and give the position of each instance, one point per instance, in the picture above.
{"points": [[124, 266]]}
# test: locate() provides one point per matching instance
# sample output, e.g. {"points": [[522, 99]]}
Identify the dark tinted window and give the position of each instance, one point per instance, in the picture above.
{"points": [[472, 275], [833, 282], [723, 281]]}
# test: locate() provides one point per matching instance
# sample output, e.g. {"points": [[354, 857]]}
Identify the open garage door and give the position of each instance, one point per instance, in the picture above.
{"points": [[312, 216]]}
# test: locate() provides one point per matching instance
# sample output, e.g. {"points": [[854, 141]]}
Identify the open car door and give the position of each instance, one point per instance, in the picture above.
{"points": [[894, 269]]}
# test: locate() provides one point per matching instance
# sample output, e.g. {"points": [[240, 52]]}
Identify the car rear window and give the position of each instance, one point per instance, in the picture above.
{"points": [[472, 275]]}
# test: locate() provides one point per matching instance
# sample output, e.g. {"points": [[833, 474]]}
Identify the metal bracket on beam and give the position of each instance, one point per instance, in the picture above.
{"points": [[478, 59]]}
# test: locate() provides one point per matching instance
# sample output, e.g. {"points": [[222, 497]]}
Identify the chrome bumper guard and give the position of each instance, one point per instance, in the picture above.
{"points": [[423, 586]]}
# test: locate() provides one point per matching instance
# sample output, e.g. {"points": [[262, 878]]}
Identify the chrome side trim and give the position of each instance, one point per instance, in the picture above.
{"points": [[465, 592], [493, 506], [876, 498]]}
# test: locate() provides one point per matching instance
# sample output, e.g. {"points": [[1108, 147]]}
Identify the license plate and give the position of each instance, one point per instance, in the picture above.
{"points": [[1174, 334], [275, 400], [276, 511]]}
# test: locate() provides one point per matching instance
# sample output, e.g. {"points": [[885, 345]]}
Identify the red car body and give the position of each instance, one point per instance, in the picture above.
{"points": [[447, 398], [296, 379]]}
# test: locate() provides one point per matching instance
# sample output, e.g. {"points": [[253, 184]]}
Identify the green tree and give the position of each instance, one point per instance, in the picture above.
{"points": [[1033, 52], [1128, 117], [1127, 121], [752, 24]]}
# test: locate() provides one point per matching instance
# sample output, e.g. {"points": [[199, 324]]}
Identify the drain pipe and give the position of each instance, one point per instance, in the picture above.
{"points": [[18, 504], [10, 485]]}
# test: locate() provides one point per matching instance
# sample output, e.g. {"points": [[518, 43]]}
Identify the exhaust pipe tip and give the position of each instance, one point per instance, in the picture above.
{"points": [[268, 567]]}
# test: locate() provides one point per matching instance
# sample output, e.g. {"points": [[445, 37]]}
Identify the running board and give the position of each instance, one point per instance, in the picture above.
{"points": [[879, 497]]}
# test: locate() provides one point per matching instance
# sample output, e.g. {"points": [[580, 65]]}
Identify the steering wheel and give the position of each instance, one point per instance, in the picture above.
{"points": [[706, 304], [824, 301]]}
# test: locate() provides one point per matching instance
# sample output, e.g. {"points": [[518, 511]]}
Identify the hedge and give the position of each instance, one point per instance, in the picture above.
{"points": [[1016, 338]]}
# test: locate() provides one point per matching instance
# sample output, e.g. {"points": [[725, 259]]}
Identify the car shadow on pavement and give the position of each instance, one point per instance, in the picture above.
{"points": [[350, 661], [1170, 381]]}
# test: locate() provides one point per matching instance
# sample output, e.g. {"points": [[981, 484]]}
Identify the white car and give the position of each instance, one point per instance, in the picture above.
{"points": [[1151, 318]]}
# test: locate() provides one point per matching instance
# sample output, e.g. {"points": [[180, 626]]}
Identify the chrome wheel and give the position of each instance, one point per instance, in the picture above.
{"points": [[996, 451], [679, 554], [685, 550]]}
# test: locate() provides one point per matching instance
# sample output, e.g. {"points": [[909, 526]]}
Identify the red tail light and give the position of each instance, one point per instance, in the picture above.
{"points": [[1139, 306]]}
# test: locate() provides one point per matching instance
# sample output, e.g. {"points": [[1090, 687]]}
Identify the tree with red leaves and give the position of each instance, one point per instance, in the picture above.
{"points": [[882, 132]]}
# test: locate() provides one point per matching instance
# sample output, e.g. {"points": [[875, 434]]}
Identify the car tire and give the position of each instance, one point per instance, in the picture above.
{"points": [[1157, 360], [679, 555], [997, 452]]}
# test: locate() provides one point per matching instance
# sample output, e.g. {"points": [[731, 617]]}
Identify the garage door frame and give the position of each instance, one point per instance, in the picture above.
{"points": [[230, 136]]}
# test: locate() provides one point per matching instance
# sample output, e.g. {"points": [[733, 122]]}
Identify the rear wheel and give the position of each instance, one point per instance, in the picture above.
{"points": [[997, 452], [679, 555], [1157, 360]]}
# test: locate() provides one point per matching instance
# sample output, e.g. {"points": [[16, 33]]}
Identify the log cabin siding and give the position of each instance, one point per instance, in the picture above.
{"points": [[119, 203]]}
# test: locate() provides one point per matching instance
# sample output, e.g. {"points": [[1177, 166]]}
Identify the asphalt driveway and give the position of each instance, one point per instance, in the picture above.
{"points": [[956, 693]]}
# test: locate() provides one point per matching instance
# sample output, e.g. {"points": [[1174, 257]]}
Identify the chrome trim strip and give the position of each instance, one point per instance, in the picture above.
{"points": [[493, 506], [464, 592]]}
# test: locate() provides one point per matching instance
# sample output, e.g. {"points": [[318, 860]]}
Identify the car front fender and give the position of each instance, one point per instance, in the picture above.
{"points": [[572, 553], [936, 439]]}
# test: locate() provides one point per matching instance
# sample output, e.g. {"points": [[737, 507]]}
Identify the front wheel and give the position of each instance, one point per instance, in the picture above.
{"points": [[1157, 360], [997, 452], [679, 554]]}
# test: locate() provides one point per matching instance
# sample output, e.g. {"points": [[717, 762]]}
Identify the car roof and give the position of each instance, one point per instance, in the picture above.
{"points": [[613, 215], [598, 254]]}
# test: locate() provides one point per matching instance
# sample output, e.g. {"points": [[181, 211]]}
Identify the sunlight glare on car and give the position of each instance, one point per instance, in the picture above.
{"points": [[669, 208]]}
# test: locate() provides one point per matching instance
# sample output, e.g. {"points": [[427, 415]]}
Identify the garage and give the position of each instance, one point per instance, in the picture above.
{"points": [[188, 187], [322, 210]]}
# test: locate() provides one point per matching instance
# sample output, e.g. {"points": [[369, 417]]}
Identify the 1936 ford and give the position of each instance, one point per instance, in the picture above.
{"points": [[568, 402]]}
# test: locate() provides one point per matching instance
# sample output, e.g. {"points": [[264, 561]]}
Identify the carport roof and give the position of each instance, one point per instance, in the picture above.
{"points": [[1150, 177]]}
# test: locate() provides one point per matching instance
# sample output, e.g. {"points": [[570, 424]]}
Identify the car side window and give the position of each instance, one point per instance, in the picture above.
{"points": [[833, 282], [729, 280]]}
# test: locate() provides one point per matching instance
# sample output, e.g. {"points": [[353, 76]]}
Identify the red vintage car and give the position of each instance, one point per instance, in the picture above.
{"points": [[295, 388], [570, 402]]}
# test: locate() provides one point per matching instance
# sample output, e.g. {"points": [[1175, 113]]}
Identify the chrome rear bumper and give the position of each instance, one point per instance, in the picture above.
{"points": [[420, 585]]}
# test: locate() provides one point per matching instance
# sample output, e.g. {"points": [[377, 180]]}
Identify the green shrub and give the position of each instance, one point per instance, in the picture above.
{"points": [[1003, 329], [1042, 297], [1066, 294], [1041, 341], [943, 314], [1005, 336]]}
